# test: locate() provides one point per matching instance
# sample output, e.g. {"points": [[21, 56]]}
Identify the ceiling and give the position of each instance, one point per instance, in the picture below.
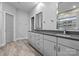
{"points": [[62, 6], [28, 6], [25, 6]]}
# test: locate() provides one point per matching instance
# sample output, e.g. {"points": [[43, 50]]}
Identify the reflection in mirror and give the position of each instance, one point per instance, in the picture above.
{"points": [[39, 17], [32, 23], [68, 16]]}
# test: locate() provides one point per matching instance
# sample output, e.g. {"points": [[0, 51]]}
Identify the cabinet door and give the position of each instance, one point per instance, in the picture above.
{"points": [[47, 48], [29, 36], [67, 42], [53, 49], [39, 43], [33, 40], [41, 46], [66, 51], [50, 38]]}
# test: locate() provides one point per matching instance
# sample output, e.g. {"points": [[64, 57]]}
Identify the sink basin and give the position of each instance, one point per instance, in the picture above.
{"points": [[65, 35]]}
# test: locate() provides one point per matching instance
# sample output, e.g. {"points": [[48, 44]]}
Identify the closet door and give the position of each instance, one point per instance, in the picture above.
{"points": [[9, 27], [1, 28]]}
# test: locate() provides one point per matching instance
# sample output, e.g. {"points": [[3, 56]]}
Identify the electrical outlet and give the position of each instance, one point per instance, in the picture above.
{"points": [[51, 20]]}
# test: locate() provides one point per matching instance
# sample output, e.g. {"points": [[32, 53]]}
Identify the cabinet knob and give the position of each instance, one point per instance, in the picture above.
{"points": [[58, 49], [54, 47]]}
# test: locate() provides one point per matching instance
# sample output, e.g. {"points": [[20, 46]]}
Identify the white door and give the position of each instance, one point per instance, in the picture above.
{"points": [[1, 28], [9, 20]]}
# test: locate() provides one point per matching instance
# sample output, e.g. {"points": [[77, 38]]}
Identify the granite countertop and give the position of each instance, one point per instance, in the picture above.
{"points": [[61, 35]]}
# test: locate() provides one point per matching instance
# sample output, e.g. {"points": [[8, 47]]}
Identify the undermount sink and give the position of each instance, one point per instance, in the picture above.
{"points": [[65, 35]]}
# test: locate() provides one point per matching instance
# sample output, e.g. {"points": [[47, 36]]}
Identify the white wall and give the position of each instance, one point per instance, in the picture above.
{"points": [[49, 13], [4, 7], [0, 6], [22, 24], [21, 21], [10, 9]]}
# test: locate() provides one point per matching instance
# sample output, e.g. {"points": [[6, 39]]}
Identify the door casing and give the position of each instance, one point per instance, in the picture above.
{"points": [[5, 25]]}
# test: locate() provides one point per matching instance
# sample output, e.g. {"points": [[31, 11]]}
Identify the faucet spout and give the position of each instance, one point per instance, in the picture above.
{"points": [[65, 31]]}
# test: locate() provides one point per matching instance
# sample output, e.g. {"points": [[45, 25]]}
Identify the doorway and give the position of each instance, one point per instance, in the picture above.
{"points": [[32, 23], [9, 27]]}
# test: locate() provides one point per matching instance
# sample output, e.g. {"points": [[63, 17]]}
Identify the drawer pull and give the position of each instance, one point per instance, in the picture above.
{"points": [[54, 47], [58, 49]]}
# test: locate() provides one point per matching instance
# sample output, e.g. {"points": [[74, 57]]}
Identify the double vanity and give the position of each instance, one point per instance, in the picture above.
{"points": [[55, 42], [64, 41]]}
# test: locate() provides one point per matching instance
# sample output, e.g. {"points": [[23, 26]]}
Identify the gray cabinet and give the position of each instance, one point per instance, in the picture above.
{"points": [[33, 39], [68, 42], [29, 36], [53, 49], [49, 46], [67, 47], [39, 43], [52, 46], [66, 51]]}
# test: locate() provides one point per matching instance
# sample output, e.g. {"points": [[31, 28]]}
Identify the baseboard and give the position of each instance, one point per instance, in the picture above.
{"points": [[20, 38], [2, 44], [36, 49], [14, 40]]}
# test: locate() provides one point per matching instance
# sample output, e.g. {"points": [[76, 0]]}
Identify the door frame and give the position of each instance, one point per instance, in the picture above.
{"points": [[5, 25]]}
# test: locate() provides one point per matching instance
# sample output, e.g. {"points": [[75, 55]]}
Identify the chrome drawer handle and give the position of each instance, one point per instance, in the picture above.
{"points": [[58, 49], [54, 47]]}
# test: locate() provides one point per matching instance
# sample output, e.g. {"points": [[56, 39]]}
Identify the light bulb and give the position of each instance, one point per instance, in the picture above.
{"points": [[74, 6]]}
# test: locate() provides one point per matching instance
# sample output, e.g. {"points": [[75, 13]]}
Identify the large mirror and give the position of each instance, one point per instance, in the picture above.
{"points": [[68, 16], [39, 19]]}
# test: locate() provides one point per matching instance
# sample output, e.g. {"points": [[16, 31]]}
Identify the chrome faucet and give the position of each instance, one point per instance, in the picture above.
{"points": [[64, 31]]}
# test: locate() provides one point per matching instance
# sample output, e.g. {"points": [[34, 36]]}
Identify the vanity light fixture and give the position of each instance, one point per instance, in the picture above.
{"points": [[61, 14], [73, 18], [74, 6], [36, 2], [57, 12]]}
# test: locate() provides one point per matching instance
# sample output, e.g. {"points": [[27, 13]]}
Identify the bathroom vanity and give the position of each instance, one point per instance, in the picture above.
{"points": [[61, 42], [55, 43]]}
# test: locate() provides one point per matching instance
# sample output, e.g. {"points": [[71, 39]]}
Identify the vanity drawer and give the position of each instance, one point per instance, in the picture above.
{"points": [[50, 38], [68, 42]]}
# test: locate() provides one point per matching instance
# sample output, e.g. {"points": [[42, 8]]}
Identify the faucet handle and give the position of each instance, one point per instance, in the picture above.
{"points": [[64, 31]]}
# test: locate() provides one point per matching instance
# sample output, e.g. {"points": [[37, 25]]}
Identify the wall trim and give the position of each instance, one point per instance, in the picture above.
{"points": [[5, 27], [21, 38], [2, 44]]}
